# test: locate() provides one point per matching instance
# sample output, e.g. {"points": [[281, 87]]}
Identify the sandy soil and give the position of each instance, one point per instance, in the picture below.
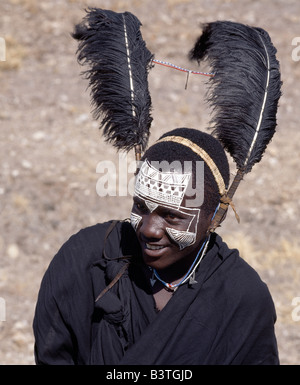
{"points": [[50, 147]]}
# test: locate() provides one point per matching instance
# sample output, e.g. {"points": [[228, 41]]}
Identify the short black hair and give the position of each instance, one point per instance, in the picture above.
{"points": [[171, 151]]}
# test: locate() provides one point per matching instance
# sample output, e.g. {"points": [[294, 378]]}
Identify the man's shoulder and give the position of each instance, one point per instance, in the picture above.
{"points": [[93, 234], [74, 261], [85, 247], [240, 278]]}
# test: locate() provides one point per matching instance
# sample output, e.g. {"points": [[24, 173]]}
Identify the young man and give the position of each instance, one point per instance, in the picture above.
{"points": [[163, 289]]}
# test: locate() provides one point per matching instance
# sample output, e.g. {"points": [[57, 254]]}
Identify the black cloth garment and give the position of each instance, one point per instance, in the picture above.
{"points": [[226, 318]]}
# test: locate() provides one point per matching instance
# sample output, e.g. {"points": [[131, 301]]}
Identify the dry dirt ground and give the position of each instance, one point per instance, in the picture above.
{"points": [[50, 147]]}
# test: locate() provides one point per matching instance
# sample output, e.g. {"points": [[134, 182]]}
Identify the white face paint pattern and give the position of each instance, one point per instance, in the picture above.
{"points": [[135, 220], [151, 205], [182, 238], [166, 189]]}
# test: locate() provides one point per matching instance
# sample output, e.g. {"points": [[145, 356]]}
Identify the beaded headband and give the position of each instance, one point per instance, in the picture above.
{"points": [[225, 200], [203, 154]]}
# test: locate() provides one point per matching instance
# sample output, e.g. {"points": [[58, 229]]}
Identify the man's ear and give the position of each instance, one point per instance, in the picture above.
{"points": [[211, 217]]}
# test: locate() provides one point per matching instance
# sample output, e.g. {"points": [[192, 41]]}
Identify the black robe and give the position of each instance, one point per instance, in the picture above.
{"points": [[226, 318]]}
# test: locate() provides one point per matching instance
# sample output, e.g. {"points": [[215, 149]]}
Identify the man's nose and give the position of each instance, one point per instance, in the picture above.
{"points": [[151, 226]]}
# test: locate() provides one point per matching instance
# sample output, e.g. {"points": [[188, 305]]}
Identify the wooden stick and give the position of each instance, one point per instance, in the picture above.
{"points": [[226, 201]]}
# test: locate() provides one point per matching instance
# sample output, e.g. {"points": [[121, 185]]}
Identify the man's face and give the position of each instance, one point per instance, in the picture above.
{"points": [[169, 232]]}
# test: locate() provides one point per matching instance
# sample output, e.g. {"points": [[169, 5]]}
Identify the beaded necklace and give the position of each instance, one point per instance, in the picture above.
{"points": [[189, 275]]}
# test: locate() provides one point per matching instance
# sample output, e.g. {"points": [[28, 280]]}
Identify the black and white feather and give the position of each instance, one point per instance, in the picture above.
{"points": [[245, 90], [111, 44]]}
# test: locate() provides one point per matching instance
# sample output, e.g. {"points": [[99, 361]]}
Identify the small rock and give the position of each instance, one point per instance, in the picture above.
{"points": [[20, 339], [26, 164], [13, 251], [15, 173], [38, 135]]}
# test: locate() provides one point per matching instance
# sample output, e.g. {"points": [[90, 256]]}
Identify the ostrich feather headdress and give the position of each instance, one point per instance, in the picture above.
{"points": [[244, 93], [111, 44]]}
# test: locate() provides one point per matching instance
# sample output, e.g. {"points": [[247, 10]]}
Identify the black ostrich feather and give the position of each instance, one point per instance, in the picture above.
{"points": [[245, 89], [244, 95], [111, 44]]}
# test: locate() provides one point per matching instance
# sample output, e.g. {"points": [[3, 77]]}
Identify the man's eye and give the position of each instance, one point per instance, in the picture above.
{"points": [[171, 217], [141, 207]]}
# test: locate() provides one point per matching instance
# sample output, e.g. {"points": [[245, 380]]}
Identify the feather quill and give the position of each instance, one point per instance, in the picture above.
{"points": [[111, 44], [244, 92]]}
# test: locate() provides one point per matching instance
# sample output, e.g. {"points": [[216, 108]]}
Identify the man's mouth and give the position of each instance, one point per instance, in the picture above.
{"points": [[153, 247]]}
